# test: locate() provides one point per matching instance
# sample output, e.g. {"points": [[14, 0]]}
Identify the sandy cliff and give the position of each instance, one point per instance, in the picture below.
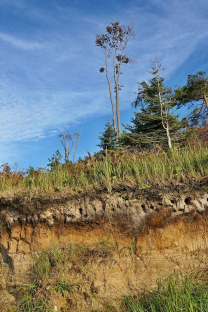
{"points": [[132, 237]]}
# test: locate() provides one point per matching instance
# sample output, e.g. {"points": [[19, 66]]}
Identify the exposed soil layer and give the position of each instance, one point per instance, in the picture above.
{"points": [[132, 237]]}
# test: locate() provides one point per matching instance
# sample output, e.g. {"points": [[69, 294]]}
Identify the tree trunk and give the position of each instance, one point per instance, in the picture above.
{"points": [[117, 93], [206, 101], [118, 112], [168, 135], [161, 108], [66, 156], [110, 90], [67, 150]]}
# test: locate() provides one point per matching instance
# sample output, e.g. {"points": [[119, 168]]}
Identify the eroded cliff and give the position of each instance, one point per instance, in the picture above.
{"points": [[131, 238]]}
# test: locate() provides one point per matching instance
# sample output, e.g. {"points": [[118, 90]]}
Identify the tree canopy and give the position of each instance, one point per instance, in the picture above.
{"points": [[108, 138], [156, 123], [194, 94]]}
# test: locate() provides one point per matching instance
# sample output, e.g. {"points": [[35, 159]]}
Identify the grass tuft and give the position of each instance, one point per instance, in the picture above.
{"points": [[176, 293]]}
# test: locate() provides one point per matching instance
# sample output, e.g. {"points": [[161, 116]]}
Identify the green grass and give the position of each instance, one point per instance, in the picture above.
{"points": [[58, 274], [142, 169], [48, 276], [51, 275], [176, 293]]}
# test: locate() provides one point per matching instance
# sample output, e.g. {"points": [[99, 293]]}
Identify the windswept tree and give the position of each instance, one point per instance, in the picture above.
{"points": [[114, 42], [156, 123], [195, 94], [65, 138]]}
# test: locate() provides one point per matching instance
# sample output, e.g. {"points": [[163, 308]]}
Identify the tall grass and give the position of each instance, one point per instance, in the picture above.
{"points": [[174, 294], [141, 168]]}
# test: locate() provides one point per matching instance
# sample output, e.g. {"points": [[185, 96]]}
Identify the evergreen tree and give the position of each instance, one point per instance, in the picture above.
{"points": [[55, 160], [156, 123], [108, 139], [194, 94]]}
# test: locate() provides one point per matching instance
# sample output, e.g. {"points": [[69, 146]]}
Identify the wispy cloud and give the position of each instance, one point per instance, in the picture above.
{"points": [[172, 28], [49, 62], [22, 44], [23, 118], [18, 3]]}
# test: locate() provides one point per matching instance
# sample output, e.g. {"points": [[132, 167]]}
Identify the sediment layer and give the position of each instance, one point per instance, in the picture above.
{"points": [[143, 235]]}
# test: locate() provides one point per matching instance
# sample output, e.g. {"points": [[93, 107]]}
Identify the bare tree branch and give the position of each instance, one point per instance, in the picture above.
{"points": [[65, 138], [77, 136]]}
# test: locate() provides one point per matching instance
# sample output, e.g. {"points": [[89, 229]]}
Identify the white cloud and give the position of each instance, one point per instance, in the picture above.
{"points": [[22, 44], [23, 118], [172, 28], [60, 82]]}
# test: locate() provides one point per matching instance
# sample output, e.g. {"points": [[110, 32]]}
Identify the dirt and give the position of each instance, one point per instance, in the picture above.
{"points": [[132, 237]]}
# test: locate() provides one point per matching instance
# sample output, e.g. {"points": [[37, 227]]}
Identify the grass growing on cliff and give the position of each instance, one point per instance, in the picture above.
{"points": [[59, 279], [48, 279], [50, 284], [176, 293], [139, 168], [50, 288]]}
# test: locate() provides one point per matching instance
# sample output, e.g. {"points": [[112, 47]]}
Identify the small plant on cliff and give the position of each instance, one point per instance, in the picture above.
{"points": [[51, 279], [36, 294], [62, 286]]}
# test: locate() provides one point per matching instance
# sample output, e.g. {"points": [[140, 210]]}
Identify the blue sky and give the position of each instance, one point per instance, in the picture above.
{"points": [[49, 66]]}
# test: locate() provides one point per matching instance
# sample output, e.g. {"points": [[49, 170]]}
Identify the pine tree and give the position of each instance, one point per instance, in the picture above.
{"points": [[55, 160], [156, 123], [194, 94], [108, 139]]}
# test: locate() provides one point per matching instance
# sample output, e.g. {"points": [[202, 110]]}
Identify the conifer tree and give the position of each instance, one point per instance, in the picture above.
{"points": [[55, 161], [156, 123], [108, 139], [195, 94]]}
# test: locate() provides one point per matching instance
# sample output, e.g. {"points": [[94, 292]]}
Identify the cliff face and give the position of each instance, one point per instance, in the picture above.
{"points": [[132, 238]]}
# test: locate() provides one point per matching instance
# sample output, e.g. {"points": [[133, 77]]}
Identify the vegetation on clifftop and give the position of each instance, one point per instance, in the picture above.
{"points": [[106, 170]]}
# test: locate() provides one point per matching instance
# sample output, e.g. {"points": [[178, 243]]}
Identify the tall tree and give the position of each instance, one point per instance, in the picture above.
{"points": [[108, 138], [156, 123], [195, 94], [114, 41]]}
